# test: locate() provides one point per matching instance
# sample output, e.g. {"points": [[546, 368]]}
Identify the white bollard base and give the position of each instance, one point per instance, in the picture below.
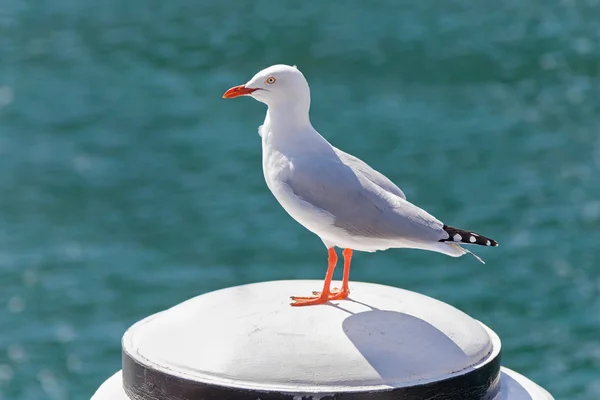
{"points": [[383, 343]]}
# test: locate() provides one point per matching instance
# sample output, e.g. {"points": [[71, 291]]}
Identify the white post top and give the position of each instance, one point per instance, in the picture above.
{"points": [[250, 337]]}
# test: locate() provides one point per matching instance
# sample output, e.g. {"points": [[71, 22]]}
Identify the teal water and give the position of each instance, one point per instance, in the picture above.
{"points": [[128, 185]]}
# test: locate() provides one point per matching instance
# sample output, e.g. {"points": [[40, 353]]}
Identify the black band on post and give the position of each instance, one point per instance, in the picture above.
{"points": [[142, 382]]}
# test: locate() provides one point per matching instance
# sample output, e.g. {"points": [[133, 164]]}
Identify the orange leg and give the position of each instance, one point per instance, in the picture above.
{"points": [[324, 296], [343, 294], [337, 294]]}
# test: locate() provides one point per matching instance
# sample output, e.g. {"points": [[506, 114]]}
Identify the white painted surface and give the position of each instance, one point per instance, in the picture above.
{"points": [[111, 389], [515, 386], [249, 336]]}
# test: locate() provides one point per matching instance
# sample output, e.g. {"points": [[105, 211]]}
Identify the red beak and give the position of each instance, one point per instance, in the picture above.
{"points": [[237, 91]]}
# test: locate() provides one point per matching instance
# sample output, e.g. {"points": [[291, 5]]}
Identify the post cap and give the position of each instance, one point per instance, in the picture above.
{"points": [[248, 339]]}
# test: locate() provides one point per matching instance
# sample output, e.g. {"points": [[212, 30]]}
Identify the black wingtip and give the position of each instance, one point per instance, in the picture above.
{"points": [[461, 236]]}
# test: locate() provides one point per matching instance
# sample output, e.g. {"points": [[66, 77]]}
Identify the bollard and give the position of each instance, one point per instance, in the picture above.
{"points": [[248, 343]]}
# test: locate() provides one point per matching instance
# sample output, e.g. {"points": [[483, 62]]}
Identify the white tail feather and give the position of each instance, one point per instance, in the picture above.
{"points": [[465, 251]]}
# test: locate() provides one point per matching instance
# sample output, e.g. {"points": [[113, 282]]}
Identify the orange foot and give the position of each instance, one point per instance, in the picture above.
{"points": [[309, 301], [319, 298], [336, 294]]}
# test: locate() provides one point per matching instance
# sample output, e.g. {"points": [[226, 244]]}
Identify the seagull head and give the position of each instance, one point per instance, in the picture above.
{"points": [[276, 86]]}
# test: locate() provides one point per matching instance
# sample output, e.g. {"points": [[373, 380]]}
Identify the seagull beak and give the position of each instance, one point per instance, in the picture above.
{"points": [[238, 91]]}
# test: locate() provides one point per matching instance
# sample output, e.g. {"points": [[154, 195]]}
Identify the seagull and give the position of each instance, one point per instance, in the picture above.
{"points": [[333, 194]]}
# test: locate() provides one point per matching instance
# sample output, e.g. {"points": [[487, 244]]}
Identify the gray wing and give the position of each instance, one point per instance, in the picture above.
{"points": [[358, 205], [359, 166]]}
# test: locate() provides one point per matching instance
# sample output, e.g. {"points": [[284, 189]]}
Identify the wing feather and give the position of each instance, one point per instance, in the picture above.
{"points": [[358, 204], [369, 173]]}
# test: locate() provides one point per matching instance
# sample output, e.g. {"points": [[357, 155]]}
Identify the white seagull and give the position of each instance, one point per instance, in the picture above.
{"points": [[333, 194]]}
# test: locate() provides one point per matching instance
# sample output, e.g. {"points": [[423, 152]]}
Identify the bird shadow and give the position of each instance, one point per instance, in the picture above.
{"points": [[400, 346]]}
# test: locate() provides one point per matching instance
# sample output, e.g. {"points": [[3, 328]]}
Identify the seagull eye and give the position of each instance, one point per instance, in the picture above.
{"points": [[271, 80]]}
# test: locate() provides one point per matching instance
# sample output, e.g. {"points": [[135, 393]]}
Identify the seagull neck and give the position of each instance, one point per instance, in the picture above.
{"points": [[286, 117]]}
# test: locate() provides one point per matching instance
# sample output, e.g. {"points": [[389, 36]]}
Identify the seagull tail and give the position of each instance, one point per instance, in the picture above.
{"points": [[467, 237]]}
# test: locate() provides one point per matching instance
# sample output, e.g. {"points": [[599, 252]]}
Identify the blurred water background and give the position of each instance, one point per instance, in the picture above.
{"points": [[128, 185]]}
